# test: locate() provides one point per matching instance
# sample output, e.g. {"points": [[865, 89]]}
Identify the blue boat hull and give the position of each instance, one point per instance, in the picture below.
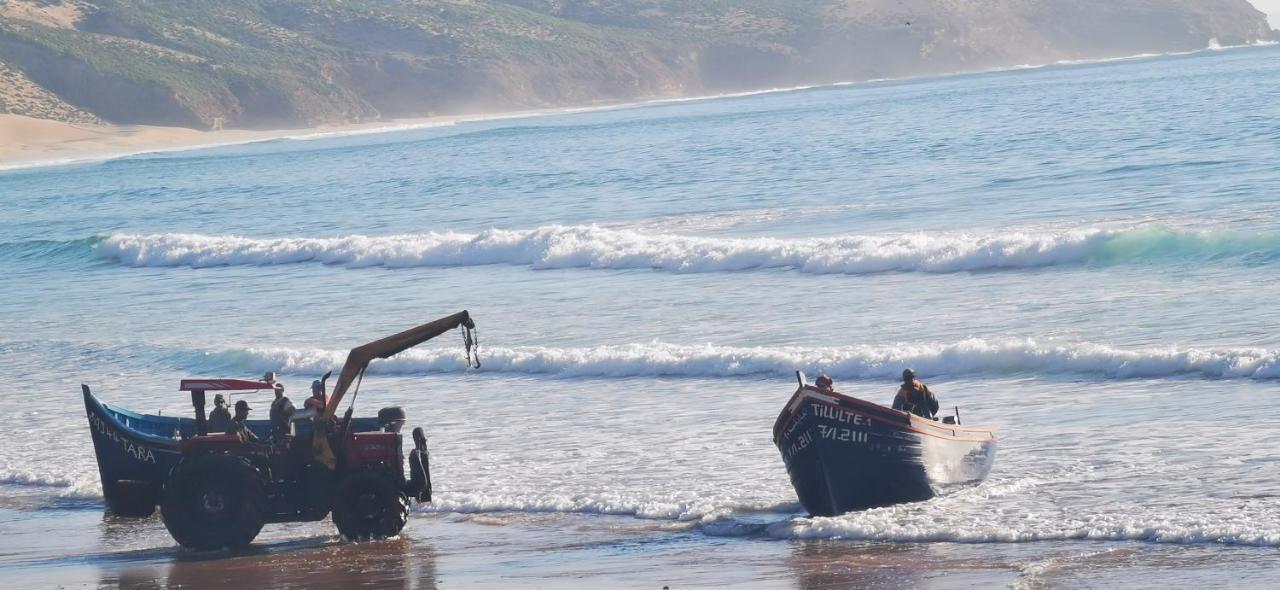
{"points": [[134, 456], [845, 454]]}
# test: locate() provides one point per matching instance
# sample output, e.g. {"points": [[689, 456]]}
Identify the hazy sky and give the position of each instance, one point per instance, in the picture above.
{"points": [[1272, 8]]}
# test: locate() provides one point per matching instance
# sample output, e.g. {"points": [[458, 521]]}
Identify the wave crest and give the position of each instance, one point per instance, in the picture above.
{"points": [[557, 246], [966, 357]]}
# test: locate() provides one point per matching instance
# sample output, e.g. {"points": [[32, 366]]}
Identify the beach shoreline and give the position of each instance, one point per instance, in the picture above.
{"points": [[27, 142]]}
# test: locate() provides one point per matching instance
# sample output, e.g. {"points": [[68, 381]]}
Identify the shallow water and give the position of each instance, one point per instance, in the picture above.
{"points": [[1082, 257]]}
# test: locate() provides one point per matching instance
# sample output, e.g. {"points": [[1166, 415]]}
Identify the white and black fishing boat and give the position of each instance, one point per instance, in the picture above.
{"points": [[844, 454]]}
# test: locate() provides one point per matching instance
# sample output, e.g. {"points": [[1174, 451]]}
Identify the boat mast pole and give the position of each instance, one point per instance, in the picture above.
{"points": [[197, 401]]}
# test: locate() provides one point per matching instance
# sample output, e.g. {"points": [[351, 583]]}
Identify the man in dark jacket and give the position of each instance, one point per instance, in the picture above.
{"points": [[281, 415], [420, 467], [238, 427], [915, 397], [219, 416]]}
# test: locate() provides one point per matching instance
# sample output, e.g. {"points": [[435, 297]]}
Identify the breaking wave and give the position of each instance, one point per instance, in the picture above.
{"points": [[65, 487], [966, 357], [557, 247]]}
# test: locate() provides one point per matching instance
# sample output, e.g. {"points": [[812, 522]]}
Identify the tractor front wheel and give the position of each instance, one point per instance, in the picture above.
{"points": [[214, 501], [369, 506]]}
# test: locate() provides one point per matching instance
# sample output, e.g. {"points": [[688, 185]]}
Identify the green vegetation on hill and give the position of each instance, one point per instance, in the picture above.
{"points": [[288, 63]]}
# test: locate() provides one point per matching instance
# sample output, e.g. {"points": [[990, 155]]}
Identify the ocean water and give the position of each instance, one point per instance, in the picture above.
{"points": [[1083, 257]]}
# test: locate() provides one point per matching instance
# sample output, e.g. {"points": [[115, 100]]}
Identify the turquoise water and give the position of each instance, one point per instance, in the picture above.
{"points": [[1083, 257]]}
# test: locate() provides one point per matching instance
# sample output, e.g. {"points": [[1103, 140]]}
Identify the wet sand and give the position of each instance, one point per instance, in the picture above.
{"points": [[76, 546], [82, 548]]}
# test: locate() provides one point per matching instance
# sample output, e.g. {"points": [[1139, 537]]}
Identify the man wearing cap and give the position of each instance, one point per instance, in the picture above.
{"points": [[238, 427], [915, 397], [219, 416], [318, 399]]}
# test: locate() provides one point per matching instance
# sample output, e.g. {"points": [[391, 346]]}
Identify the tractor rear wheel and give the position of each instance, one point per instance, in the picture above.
{"points": [[214, 501], [369, 506]]}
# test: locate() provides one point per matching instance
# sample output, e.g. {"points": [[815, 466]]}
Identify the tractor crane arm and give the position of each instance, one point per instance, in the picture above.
{"points": [[359, 358]]}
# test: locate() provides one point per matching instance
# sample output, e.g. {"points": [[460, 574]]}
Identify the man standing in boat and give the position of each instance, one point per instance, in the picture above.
{"points": [[220, 416], [915, 397], [281, 415], [318, 399], [238, 426]]}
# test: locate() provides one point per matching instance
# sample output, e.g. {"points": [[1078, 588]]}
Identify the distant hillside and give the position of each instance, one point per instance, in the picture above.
{"points": [[293, 63]]}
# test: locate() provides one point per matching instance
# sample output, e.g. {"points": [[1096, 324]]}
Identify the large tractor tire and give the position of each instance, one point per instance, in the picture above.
{"points": [[369, 506], [214, 501]]}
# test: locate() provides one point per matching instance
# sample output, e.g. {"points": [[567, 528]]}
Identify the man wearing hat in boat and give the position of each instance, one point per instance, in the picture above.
{"points": [[318, 399], [238, 427], [219, 416], [915, 397]]}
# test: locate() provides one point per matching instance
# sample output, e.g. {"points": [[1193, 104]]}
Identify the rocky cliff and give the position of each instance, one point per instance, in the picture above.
{"points": [[293, 63]]}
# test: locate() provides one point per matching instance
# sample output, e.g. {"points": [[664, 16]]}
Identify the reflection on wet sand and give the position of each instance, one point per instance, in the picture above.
{"points": [[318, 562], [824, 565]]}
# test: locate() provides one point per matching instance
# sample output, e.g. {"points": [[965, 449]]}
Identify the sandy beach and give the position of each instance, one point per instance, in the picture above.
{"points": [[26, 141], [29, 141]]}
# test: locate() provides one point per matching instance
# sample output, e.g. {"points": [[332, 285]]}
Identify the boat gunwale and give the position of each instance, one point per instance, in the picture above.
{"points": [[900, 420], [112, 414]]}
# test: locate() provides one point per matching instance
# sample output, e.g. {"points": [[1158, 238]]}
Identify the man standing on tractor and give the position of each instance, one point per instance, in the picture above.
{"points": [[281, 415], [318, 400], [238, 427]]}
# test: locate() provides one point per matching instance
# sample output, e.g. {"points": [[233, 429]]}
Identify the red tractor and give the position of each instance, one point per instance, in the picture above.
{"points": [[223, 488]]}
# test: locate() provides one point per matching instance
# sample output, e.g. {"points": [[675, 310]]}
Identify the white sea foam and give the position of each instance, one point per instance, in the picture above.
{"points": [[908, 524], [690, 508], [965, 357], [557, 246], [719, 516], [62, 485]]}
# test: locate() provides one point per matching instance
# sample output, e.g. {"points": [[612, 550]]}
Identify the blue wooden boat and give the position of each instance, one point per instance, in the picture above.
{"points": [[844, 453], [135, 452]]}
